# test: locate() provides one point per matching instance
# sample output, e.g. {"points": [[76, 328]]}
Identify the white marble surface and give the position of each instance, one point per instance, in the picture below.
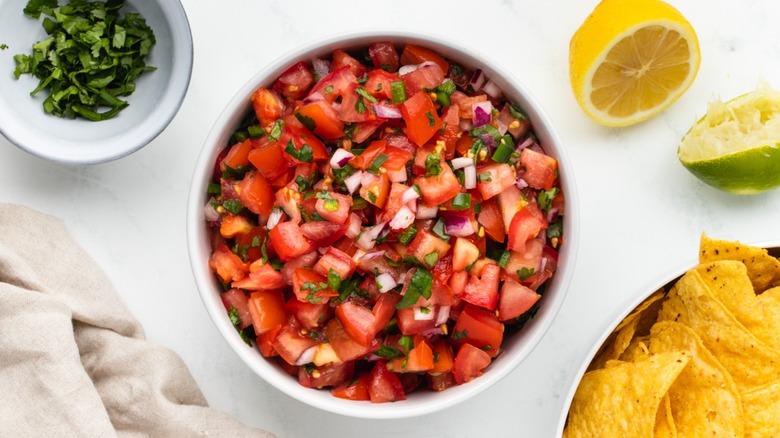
{"points": [[642, 212]]}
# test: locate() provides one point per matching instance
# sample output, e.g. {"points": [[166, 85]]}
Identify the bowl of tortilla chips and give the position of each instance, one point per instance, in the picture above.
{"points": [[698, 355]]}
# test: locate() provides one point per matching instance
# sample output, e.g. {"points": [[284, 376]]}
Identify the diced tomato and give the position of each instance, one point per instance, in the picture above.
{"points": [[414, 54], [401, 141], [376, 191], [304, 261], [337, 260], [288, 241], [466, 105], [238, 154], [443, 356], [458, 282], [366, 158], [343, 59], [396, 158], [335, 207], [268, 106], [490, 218], [494, 179], [354, 106], [515, 299], [234, 225], [335, 84], [353, 390], [425, 77], [464, 254], [256, 194], [326, 120], [265, 342], [525, 225], [425, 243], [478, 327], [408, 325], [271, 160], [442, 271], [345, 347], [438, 189], [310, 315], [384, 56], [333, 374], [358, 321], [510, 201], [394, 201], [290, 343], [384, 385], [251, 244], [295, 82], [378, 83], [420, 358], [262, 276], [526, 263], [451, 131], [301, 136], [440, 382], [421, 118], [267, 310], [364, 130], [541, 170], [237, 299], [228, 266], [483, 290], [311, 286], [469, 363], [383, 310]]}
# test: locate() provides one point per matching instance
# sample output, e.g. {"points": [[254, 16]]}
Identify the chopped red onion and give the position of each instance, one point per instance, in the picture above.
{"points": [[420, 315], [386, 111], [367, 240], [425, 212], [397, 176], [470, 177], [461, 162], [385, 282], [340, 158], [274, 218], [409, 194], [459, 226], [406, 69], [528, 142], [443, 315], [373, 255], [520, 183], [402, 219], [552, 214], [353, 181], [321, 67], [492, 90], [477, 79], [209, 212], [354, 226], [501, 126], [313, 97], [307, 356], [482, 113]]}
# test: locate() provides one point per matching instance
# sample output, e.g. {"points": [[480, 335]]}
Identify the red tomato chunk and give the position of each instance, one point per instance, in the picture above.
{"points": [[381, 223]]}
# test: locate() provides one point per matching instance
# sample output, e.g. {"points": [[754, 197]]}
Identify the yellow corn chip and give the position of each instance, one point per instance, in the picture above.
{"points": [[762, 411], [763, 269], [664, 421]]}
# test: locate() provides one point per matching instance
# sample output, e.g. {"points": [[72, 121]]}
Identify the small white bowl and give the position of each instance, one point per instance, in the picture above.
{"points": [[665, 281], [517, 347], [153, 105]]}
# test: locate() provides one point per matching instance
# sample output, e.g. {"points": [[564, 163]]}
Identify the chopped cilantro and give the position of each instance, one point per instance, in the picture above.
{"points": [[328, 89], [546, 197], [304, 154], [525, 273], [431, 120], [307, 121], [408, 234], [377, 163], [421, 284], [456, 336], [432, 165], [233, 206], [276, 130]]}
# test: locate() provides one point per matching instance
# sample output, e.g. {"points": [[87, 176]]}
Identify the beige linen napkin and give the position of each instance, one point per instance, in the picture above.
{"points": [[73, 360]]}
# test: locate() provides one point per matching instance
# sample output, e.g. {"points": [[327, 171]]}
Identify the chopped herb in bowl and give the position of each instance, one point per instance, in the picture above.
{"points": [[91, 59]]}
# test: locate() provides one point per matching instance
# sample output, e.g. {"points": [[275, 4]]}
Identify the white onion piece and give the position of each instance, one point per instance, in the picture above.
{"points": [[470, 177], [367, 240], [353, 181], [425, 212], [491, 89], [409, 194], [386, 111], [402, 219], [461, 162], [385, 282], [340, 158], [354, 226], [274, 218], [209, 212], [419, 315], [501, 126], [406, 69], [373, 255], [443, 315], [477, 79], [397, 176], [321, 66], [307, 356]]}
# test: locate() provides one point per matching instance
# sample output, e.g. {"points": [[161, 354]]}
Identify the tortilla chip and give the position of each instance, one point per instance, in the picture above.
{"points": [[729, 282], [639, 320], [623, 399], [762, 268], [664, 421], [762, 411], [750, 361], [704, 398], [637, 350]]}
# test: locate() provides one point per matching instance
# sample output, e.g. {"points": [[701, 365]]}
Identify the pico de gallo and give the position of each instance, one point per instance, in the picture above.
{"points": [[381, 220]]}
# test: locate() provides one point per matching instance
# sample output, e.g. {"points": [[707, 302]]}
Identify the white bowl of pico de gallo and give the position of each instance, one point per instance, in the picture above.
{"points": [[382, 225]]}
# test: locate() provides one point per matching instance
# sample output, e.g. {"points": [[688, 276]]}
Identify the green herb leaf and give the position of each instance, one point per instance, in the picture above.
{"points": [[432, 165], [307, 121], [233, 205], [305, 153], [525, 273], [276, 130], [431, 258], [546, 197], [408, 234], [456, 336], [421, 284], [334, 279]]}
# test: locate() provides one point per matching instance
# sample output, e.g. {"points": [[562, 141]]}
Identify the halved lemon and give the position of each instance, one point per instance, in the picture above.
{"points": [[735, 147], [631, 59]]}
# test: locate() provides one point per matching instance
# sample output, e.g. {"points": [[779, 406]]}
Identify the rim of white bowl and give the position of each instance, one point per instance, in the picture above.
{"points": [[166, 109], [417, 404], [609, 324]]}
